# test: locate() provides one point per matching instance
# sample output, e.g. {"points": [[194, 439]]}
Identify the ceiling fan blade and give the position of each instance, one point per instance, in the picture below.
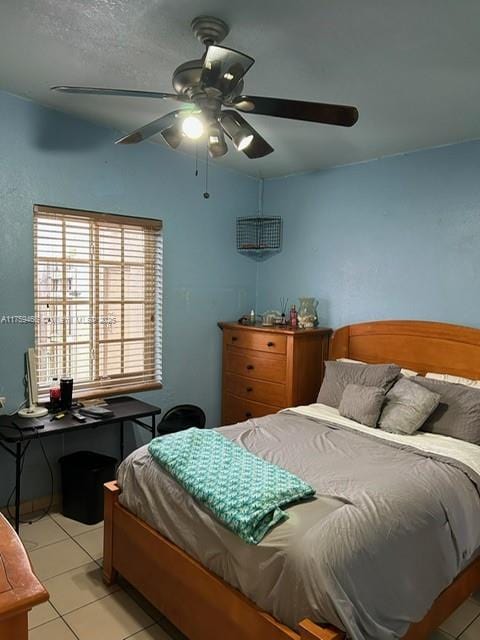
{"points": [[233, 124], [224, 68], [99, 91], [336, 114], [150, 129]]}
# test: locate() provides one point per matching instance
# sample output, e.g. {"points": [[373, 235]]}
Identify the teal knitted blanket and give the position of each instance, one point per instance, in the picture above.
{"points": [[244, 492]]}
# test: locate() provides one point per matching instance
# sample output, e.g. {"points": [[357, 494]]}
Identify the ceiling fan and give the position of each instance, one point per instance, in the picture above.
{"points": [[207, 85]]}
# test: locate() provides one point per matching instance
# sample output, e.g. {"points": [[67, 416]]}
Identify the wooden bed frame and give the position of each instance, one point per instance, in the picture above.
{"points": [[201, 604]]}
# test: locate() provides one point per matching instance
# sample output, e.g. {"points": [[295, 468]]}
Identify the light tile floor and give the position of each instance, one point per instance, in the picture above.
{"points": [[67, 557]]}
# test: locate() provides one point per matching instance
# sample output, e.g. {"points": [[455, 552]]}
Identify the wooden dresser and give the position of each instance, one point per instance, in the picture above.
{"points": [[266, 369], [20, 590]]}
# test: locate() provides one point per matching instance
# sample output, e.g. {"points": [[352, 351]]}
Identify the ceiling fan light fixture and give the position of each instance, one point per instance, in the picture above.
{"points": [[192, 127], [216, 142], [242, 139], [173, 136], [211, 90]]}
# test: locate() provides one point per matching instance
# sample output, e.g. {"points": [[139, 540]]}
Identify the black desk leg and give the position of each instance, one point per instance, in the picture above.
{"points": [[122, 440], [18, 475], [153, 426]]}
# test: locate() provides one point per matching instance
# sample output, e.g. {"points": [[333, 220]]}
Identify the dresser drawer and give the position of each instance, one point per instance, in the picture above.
{"points": [[264, 366], [256, 390], [238, 409], [258, 340]]}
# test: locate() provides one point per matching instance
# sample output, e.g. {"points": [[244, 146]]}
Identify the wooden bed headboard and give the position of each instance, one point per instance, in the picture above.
{"points": [[421, 346]]}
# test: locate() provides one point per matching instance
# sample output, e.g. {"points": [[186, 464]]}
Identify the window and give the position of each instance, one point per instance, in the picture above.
{"points": [[98, 301]]}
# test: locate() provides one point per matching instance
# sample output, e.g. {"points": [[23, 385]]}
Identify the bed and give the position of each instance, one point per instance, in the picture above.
{"points": [[210, 573]]}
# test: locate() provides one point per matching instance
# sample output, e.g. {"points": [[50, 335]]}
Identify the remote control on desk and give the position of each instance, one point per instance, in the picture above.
{"points": [[78, 416]]}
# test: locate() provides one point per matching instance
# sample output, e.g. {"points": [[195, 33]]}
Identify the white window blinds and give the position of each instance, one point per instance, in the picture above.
{"points": [[98, 301]]}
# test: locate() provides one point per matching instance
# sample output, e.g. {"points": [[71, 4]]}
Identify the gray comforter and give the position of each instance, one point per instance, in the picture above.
{"points": [[389, 528]]}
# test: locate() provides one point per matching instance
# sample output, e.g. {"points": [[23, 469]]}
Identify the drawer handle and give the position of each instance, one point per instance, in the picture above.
{"points": [[249, 389], [250, 367], [234, 338], [270, 344], [248, 414]]}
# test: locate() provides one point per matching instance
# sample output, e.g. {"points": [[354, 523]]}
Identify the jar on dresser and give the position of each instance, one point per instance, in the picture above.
{"points": [[266, 369]]}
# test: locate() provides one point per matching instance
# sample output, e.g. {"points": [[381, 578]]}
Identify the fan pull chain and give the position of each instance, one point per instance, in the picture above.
{"points": [[206, 195], [196, 159], [260, 197]]}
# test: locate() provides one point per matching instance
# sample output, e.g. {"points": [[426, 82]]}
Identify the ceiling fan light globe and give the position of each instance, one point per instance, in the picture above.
{"points": [[218, 149], [216, 143], [242, 140], [192, 127]]}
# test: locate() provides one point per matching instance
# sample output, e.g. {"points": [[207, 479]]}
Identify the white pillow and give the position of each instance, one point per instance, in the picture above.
{"points": [[408, 373], [445, 377]]}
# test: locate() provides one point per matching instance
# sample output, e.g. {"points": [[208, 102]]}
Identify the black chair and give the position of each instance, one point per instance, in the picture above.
{"points": [[181, 417]]}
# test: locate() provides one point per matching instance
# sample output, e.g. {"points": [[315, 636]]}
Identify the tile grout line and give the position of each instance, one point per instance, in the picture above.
{"points": [[120, 588], [62, 615], [83, 549], [76, 542], [67, 625], [43, 546], [144, 629], [477, 617], [107, 595], [59, 617], [42, 580], [68, 535], [96, 526], [63, 619], [50, 544], [47, 621]]}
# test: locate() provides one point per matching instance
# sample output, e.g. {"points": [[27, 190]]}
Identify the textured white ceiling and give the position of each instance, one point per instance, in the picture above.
{"points": [[412, 67]]}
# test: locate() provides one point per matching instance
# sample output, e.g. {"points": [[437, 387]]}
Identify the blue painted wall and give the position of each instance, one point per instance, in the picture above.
{"points": [[393, 238], [50, 158]]}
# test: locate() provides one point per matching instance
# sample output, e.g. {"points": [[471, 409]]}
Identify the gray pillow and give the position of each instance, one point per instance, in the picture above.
{"points": [[362, 404], [339, 374], [407, 407], [458, 414]]}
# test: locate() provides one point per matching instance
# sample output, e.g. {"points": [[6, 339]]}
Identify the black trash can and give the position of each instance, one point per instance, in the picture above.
{"points": [[83, 476]]}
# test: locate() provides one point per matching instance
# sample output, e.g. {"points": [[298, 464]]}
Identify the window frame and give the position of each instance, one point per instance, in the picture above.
{"points": [[150, 376]]}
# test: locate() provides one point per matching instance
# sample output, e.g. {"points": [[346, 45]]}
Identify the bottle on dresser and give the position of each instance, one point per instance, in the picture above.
{"points": [[293, 317]]}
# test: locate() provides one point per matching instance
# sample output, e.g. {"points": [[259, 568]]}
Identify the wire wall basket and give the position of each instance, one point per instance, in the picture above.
{"points": [[259, 237]]}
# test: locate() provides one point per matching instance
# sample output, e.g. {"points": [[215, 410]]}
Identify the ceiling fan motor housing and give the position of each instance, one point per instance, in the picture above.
{"points": [[187, 82], [209, 30], [187, 76]]}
